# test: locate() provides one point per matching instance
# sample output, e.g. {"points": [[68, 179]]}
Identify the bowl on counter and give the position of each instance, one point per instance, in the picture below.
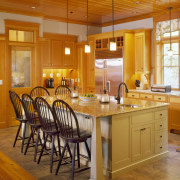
{"points": [[88, 97]]}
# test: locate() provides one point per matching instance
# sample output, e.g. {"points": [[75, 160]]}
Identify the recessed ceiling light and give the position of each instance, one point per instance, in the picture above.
{"points": [[137, 2], [33, 7]]}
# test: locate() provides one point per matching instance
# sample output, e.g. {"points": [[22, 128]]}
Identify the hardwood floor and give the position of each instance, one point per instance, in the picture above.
{"points": [[167, 168]]}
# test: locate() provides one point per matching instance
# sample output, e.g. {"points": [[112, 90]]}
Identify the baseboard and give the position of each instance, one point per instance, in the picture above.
{"points": [[135, 165], [3, 125]]}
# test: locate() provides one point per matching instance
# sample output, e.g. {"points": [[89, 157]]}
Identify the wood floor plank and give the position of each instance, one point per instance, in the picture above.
{"points": [[9, 170]]}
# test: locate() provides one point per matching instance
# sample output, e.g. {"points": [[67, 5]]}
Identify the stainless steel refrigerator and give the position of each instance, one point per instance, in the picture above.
{"points": [[108, 75]]}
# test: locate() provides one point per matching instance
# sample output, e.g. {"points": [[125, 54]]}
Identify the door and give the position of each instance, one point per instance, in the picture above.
{"points": [[21, 76]]}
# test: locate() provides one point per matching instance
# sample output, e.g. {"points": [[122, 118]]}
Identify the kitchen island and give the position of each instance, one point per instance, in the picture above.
{"points": [[123, 135]]}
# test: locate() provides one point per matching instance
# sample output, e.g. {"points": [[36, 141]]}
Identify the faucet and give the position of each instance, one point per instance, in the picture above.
{"points": [[118, 98]]}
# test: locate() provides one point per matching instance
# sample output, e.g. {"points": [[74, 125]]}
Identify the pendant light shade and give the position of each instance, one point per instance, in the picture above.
{"points": [[113, 43], [170, 51], [67, 49], [87, 47]]}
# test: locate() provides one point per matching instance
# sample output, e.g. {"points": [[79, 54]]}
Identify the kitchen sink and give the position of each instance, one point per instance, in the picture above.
{"points": [[130, 105]]}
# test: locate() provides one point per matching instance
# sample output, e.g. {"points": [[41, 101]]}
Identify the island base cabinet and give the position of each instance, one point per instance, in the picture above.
{"points": [[142, 142]]}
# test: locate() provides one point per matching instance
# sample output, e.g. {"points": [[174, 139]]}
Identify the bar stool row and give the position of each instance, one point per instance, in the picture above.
{"points": [[58, 121]]}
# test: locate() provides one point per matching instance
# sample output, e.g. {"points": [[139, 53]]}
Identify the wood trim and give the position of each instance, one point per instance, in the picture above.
{"points": [[62, 37]]}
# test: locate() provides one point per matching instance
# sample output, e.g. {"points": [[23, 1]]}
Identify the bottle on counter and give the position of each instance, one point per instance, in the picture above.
{"points": [[62, 82]]}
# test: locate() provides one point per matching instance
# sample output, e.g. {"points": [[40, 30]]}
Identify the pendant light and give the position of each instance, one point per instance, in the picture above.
{"points": [[67, 49], [170, 51], [113, 43], [87, 46]]}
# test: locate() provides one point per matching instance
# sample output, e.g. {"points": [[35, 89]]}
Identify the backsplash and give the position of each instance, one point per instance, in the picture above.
{"points": [[57, 75]]}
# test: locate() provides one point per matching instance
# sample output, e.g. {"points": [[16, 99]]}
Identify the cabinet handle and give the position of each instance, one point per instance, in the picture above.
{"points": [[161, 147], [143, 129], [133, 95], [160, 114], [159, 98], [160, 125], [160, 136], [146, 97]]}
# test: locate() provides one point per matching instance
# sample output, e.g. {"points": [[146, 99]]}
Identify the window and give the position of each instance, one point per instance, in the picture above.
{"points": [[21, 64], [20, 36], [171, 65]]}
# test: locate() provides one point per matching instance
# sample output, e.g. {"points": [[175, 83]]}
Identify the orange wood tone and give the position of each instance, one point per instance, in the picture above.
{"points": [[12, 171], [3, 92], [100, 12]]}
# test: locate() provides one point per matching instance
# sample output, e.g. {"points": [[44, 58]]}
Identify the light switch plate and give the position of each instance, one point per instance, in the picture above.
{"points": [[1, 82]]}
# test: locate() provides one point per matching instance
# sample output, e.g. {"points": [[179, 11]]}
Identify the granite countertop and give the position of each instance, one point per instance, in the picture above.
{"points": [[98, 109], [172, 93]]}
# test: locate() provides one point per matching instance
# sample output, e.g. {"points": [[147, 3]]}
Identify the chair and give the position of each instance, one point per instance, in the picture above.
{"points": [[39, 91], [62, 90], [48, 126], [33, 121], [69, 130], [18, 108]]}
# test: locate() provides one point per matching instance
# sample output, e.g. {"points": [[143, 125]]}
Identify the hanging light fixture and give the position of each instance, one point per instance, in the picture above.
{"points": [[87, 46], [170, 51], [113, 43], [67, 49]]}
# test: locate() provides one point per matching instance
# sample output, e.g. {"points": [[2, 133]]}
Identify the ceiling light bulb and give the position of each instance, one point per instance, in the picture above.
{"points": [[170, 52], [87, 48], [112, 46], [67, 50]]}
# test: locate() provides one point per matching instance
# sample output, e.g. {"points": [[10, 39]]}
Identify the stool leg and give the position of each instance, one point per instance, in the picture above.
{"points": [[17, 134], [27, 146], [69, 150], [44, 145], [36, 146], [78, 157], [24, 131], [88, 151], [52, 152], [60, 160], [73, 161], [59, 145]]}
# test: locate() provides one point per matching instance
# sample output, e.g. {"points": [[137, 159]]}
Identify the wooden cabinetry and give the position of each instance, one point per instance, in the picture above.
{"points": [[52, 51], [143, 52]]}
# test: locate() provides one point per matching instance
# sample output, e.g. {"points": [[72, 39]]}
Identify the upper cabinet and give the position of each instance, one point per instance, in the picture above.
{"points": [[52, 51], [143, 52]]}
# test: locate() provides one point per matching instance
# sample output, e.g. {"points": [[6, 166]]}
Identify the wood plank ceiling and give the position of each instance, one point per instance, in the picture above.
{"points": [[100, 11]]}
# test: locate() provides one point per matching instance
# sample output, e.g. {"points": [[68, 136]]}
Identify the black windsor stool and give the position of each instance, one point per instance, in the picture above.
{"points": [[39, 91]]}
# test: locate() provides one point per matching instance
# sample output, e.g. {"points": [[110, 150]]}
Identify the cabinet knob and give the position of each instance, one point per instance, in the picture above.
{"points": [[159, 98], [133, 95], [160, 114], [145, 96], [161, 147], [160, 125], [160, 136], [143, 129]]}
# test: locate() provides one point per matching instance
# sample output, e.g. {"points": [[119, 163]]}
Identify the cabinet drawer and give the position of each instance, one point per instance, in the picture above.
{"points": [[142, 117], [161, 124], [160, 98], [133, 95], [161, 146], [160, 114], [160, 135], [146, 96]]}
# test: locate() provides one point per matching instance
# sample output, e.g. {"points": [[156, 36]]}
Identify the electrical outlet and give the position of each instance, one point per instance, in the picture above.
{"points": [[1, 82]]}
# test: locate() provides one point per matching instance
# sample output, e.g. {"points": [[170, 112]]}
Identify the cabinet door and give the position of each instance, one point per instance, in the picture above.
{"points": [[136, 144], [147, 140], [45, 53], [57, 54], [69, 59], [91, 67], [139, 52]]}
